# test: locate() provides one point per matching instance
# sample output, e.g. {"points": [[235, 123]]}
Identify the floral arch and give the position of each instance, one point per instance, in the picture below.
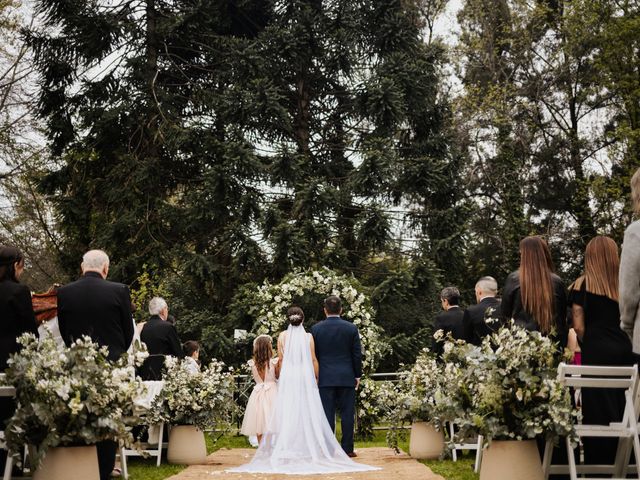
{"points": [[272, 300]]}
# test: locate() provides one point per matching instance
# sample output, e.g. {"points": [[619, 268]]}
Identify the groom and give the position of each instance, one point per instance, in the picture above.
{"points": [[340, 359]]}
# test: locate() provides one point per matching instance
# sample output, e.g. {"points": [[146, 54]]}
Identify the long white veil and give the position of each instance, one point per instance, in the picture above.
{"points": [[299, 439]]}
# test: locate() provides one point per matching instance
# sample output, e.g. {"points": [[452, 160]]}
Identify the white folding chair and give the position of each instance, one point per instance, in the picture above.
{"points": [[477, 446], [147, 451], [586, 376]]}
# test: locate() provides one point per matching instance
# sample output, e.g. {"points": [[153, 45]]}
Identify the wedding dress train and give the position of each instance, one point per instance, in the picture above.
{"points": [[299, 439]]}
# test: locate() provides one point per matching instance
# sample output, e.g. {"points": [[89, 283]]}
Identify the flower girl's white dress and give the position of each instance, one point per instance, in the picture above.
{"points": [[298, 439], [261, 401]]}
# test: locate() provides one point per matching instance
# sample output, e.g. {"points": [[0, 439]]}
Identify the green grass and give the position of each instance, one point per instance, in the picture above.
{"points": [[145, 469]]}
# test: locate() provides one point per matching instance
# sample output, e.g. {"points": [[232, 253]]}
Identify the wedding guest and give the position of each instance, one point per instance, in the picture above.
{"points": [[16, 311], [16, 318], [45, 307], [100, 309], [262, 398], [629, 277], [451, 319], [483, 318], [191, 350], [534, 296], [161, 338], [596, 319]]}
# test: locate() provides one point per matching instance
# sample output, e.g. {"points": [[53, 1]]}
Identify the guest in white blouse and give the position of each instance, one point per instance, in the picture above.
{"points": [[192, 354]]}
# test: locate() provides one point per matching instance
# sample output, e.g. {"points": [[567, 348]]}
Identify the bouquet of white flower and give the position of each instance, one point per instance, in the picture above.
{"points": [[511, 389], [69, 397], [429, 392], [203, 399]]}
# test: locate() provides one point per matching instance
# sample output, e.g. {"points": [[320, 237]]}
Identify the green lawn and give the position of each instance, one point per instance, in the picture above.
{"points": [[145, 469]]}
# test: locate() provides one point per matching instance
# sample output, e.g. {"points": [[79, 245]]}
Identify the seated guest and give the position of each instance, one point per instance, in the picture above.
{"points": [[192, 353], [487, 308], [449, 321], [161, 339]]}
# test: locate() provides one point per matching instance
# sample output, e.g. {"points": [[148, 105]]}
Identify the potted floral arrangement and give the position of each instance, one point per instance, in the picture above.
{"points": [[192, 403], [511, 397], [428, 397], [68, 399]]}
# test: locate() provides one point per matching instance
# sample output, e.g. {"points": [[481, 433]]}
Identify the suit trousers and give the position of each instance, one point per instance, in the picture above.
{"points": [[107, 450], [344, 399]]}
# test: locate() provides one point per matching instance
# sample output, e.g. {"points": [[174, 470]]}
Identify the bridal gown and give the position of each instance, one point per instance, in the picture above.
{"points": [[298, 439]]}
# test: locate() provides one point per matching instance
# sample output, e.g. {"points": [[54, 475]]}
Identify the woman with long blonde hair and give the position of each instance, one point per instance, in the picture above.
{"points": [[596, 319], [534, 296]]}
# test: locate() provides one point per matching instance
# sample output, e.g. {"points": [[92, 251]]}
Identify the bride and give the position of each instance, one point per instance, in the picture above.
{"points": [[298, 439]]}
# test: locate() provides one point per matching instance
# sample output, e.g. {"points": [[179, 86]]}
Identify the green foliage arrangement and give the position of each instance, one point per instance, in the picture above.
{"points": [[203, 399], [510, 388], [69, 397]]}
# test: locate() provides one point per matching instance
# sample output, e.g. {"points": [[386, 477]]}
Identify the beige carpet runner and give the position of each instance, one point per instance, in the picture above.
{"points": [[396, 467]]}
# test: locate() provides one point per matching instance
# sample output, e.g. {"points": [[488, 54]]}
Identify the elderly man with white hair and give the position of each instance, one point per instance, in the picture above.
{"points": [[161, 339], [483, 318], [100, 309]]}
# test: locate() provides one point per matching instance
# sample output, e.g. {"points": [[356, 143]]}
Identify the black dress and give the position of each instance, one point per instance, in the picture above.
{"points": [[604, 343]]}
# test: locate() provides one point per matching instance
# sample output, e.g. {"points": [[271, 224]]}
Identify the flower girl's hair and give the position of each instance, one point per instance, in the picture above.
{"points": [[295, 315], [262, 352]]}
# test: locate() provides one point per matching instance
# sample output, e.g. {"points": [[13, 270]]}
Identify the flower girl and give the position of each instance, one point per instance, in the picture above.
{"points": [[262, 399]]}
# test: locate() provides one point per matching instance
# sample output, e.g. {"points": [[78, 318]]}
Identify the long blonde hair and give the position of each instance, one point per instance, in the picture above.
{"points": [[536, 286], [601, 266]]}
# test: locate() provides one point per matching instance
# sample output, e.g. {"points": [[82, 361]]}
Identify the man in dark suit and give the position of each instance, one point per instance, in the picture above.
{"points": [[100, 309], [161, 339], [339, 354], [450, 320], [487, 308]]}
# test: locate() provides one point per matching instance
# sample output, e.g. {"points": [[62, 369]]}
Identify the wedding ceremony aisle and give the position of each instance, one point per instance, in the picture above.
{"points": [[398, 467]]}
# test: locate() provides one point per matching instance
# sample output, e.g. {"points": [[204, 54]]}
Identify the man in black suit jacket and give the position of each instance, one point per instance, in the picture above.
{"points": [[100, 309], [488, 307], [339, 354], [161, 338], [449, 321]]}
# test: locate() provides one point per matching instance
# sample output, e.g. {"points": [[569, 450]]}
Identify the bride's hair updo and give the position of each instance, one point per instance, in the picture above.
{"points": [[295, 315]]}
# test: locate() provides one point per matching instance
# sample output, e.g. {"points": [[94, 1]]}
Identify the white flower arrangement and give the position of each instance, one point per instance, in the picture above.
{"points": [[273, 300], [431, 391], [203, 399], [68, 397], [510, 389]]}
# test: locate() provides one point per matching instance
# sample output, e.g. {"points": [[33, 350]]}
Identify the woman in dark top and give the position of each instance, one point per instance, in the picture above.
{"points": [[596, 320], [534, 296]]}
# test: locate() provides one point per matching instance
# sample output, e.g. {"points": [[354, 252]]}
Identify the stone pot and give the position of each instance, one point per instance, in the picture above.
{"points": [[511, 459], [69, 463], [425, 442], [186, 446]]}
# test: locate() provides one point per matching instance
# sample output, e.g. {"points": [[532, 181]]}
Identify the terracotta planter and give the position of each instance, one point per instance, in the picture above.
{"points": [[69, 463], [511, 459], [425, 442], [186, 446]]}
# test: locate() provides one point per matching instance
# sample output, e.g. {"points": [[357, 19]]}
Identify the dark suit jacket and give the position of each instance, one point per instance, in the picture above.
{"points": [[450, 321], [339, 352], [512, 306], [16, 317], [98, 308], [474, 320], [161, 338]]}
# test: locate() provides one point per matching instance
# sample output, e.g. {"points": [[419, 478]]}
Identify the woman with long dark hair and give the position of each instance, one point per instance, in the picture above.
{"points": [[596, 319], [534, 296]]}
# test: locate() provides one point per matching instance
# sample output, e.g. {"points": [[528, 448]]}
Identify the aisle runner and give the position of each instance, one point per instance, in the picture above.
{"points": [[396, 467]]}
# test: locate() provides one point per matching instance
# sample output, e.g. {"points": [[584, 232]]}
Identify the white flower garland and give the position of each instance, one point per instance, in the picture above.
{"points": [[273, 301]]}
